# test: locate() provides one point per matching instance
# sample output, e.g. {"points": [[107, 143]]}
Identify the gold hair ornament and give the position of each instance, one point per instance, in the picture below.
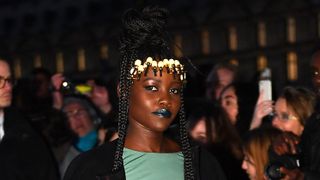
{"points": [[171, 66]]}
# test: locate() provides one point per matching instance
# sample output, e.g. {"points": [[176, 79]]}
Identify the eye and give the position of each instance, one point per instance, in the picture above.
{"points": [[175, 91], [151, 88]]}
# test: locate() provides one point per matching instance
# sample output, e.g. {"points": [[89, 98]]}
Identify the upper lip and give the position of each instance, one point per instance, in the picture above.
{"points": [[165, 113]]}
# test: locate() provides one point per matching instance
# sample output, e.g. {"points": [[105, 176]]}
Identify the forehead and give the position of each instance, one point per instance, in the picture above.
{"points": [[4, 69], [73, 105], [223, 70], [230, 91], [164, 78], [281, 104]]}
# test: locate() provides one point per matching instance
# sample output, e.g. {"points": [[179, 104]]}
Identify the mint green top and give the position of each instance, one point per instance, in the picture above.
{"points": [[153, 166]]}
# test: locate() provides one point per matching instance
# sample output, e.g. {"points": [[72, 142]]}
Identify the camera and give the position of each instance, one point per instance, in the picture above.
{"points": [[289, 161], [68, 87]]}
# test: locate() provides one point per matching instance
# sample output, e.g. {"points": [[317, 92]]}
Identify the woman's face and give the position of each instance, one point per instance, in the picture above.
{"points": [[249, 166], [79, 119], [229, 102], [285, 119], [198, 133], [154, 102], [225, 76]]}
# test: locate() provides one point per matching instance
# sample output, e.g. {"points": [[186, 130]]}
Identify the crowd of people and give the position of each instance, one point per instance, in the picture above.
{"points": [[141, 126]]}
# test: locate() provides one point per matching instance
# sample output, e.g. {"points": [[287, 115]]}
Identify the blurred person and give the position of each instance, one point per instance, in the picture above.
{"points": [[291, 110], [255, 147], [221, 75], [229, 102], [150, 99], [100, 93], [209, 126], [238, 100], [23, 154], [83, 121], [308, 146], [34, 98]]}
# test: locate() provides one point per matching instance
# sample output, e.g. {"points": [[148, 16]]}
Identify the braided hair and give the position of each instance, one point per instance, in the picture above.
{"points": [[144, 35]]}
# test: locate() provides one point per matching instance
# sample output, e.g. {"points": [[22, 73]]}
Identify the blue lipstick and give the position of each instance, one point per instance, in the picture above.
{"points": [[164, 113]]}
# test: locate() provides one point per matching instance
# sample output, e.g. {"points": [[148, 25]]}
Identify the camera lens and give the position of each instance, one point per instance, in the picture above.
{"points": [[273, 171]]}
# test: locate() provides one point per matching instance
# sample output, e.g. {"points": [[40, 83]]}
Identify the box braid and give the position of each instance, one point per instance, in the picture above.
{"points": [[124, 87], [184, 138], [132, 46]]}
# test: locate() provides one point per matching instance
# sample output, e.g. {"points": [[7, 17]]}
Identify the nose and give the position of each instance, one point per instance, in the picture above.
{"points": [[165, 100], [7, 85], [244, 165], [276, 122]]}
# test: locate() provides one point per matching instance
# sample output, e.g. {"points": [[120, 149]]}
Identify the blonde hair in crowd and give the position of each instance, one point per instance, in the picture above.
{"points": [[256, 145]]}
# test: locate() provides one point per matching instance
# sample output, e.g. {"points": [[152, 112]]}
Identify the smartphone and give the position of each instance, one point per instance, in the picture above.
{"points": [[266, 88]]}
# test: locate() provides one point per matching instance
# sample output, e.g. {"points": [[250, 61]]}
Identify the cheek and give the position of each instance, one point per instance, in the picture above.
{"points": [[293, 126], [88, 122], [252, 171], [177, 105]]}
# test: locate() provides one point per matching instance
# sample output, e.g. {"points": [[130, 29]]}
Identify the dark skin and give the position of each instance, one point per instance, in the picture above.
{"points": [[145, 130], [286, 144]]}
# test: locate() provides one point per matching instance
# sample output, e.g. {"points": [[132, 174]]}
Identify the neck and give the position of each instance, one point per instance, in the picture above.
{"points": [[1, 112], [145, 140]]}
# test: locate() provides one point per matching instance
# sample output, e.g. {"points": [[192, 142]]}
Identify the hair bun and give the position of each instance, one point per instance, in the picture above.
{"points": [[145, 30]]}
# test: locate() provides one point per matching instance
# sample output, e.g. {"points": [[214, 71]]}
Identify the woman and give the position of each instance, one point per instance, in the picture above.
{"points": [[151, 97], [255, 147], [82, 120], [221, 75], [291, 110], [238, 100], [209, 125]]}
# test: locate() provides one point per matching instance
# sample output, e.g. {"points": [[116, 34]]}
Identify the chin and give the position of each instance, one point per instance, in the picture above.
{"points": [[5, 104]]}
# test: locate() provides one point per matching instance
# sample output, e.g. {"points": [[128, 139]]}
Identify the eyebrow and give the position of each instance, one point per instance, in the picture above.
{"points": [[229, 96], [159, 80], [2, 77]]}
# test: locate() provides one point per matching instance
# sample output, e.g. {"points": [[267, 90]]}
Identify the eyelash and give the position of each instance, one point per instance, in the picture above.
{"points": [[171, 91], [175, 91], [151, 88]]}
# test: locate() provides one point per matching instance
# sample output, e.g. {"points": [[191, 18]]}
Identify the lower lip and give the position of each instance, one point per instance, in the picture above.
{"points": [[161, 115]]}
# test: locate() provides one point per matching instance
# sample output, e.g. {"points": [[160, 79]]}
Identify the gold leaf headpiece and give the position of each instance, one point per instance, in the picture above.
{"points": [[171, 66]]}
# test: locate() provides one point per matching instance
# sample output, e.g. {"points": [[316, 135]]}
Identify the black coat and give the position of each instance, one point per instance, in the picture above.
{"points": [[310, 147], [97, 164], [23, 154]]}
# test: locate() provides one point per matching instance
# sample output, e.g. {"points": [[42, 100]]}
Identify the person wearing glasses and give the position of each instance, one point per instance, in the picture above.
{"points": [[23, 154], [83, 122], [292, 109], [309, 141], [291, 114]]}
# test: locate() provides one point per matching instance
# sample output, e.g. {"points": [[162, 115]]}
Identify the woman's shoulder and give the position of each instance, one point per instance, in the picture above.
{"points": [[90, 164]]}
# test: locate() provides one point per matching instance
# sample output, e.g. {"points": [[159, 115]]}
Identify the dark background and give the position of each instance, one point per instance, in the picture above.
{"points": [[31, 29]]}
